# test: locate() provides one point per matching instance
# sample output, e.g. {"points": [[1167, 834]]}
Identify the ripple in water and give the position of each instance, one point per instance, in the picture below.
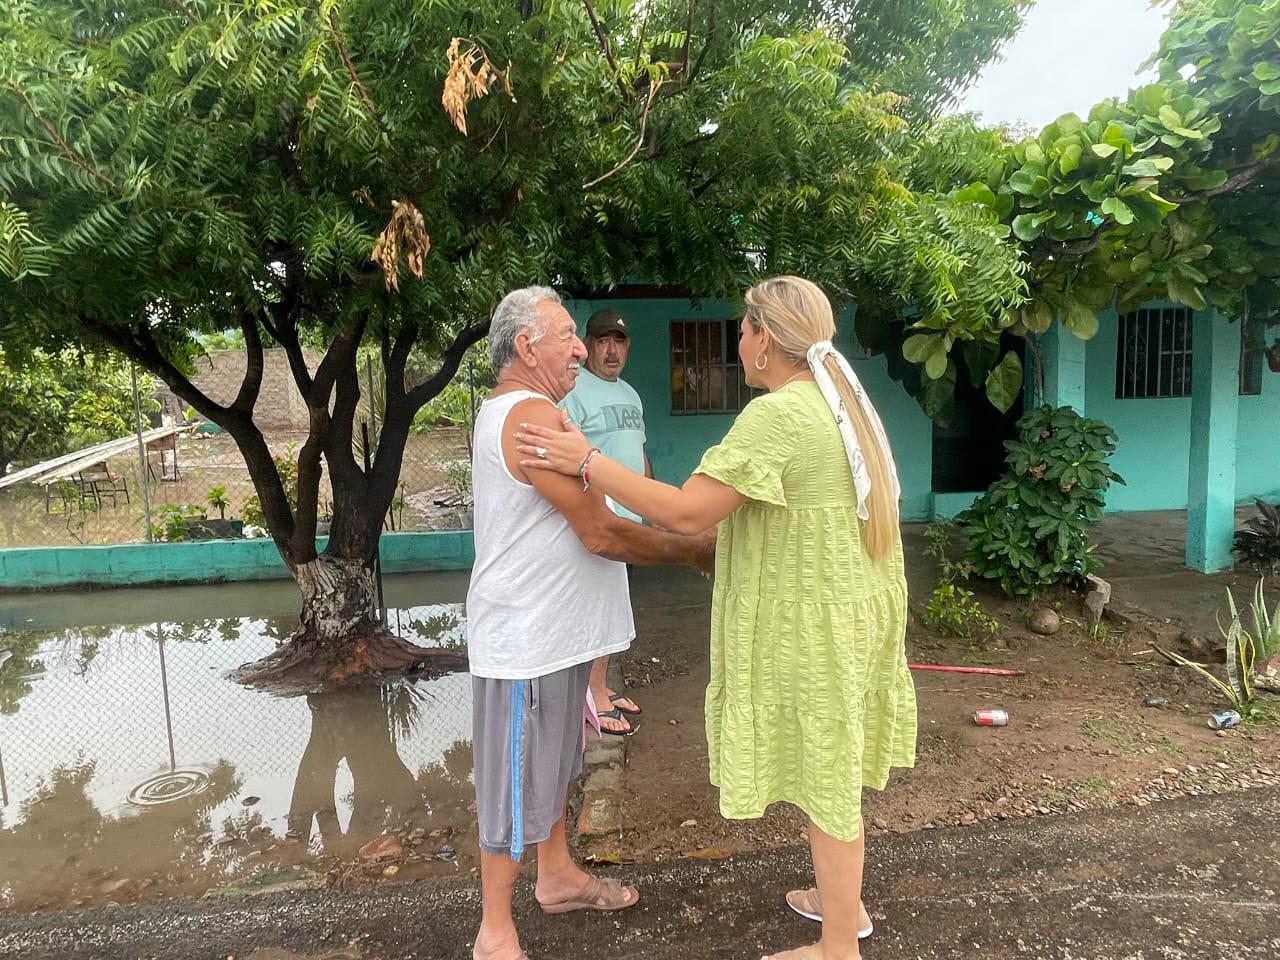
{"points": [[168, 787]]}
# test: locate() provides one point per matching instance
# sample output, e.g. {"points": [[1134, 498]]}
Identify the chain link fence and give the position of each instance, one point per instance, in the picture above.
{"points": [[126, 751], [195, 484]]}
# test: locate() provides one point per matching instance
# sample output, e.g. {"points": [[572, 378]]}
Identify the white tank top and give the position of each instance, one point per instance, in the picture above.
{"points": [[539, 601]]}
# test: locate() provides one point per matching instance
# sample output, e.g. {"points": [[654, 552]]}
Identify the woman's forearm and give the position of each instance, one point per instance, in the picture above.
{"points": [[657, 502], [697, 506]]}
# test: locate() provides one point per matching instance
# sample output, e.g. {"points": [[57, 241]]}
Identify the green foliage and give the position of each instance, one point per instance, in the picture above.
{"points": [[458, 473], [457, 404], [53, 403], [221, 340], [173, 522], [1030, 530], [925, 50], [950, 607], [451, 406], [239, 154], [954, 610], [1151, 196], [1266, 626], [217, 499], [1258, 544]]}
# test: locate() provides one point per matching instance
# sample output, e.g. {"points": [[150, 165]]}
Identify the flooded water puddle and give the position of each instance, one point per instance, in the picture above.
{"points": [[132, 769]]}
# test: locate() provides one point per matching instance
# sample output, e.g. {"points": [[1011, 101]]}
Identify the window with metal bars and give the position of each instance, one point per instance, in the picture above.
{"points": [[1252, 352], [1153, 354], [706, 375]]}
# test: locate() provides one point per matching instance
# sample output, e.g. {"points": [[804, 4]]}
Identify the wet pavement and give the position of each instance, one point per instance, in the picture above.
{"points": [[1192, 879], [132, 769]]}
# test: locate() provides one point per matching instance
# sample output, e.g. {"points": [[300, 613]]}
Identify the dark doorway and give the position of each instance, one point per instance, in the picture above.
{"points": [[968, 453]]}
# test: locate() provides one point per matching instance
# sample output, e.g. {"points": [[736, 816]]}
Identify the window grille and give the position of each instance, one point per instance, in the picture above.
{"points": [[1153, 354], [706, 375], [1253, 348]]}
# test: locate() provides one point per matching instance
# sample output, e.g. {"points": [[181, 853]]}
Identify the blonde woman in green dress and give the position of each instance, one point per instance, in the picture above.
{"points": [[810, 699]]}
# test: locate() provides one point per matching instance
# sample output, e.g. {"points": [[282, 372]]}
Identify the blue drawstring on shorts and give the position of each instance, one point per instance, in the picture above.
{"points": [[517, 805]]}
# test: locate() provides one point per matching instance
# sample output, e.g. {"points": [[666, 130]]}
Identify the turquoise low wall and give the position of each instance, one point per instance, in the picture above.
{"points": [[207, 561]]}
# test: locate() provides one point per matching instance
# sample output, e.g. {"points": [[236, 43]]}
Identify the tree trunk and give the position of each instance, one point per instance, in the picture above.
{"points": [[340, 640]]}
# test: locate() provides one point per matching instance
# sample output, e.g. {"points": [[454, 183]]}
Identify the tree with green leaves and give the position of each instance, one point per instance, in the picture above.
{"points": [[54, 403], [1168, 193], [351, 173]]}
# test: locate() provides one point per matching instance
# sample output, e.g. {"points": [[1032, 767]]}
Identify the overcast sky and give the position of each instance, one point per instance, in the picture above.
{"points": [[1069, 55]]}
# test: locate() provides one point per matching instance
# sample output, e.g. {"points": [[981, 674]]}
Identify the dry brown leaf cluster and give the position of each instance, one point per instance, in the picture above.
{"points": [[406, 232], [470, 77]]}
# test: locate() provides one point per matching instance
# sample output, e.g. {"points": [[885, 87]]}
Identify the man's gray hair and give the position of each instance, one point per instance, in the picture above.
{"points": [[517, 313]]}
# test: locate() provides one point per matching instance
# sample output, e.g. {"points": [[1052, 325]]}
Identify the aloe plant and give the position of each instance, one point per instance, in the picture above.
{"points": [[1246, 651], [1266, 635]]}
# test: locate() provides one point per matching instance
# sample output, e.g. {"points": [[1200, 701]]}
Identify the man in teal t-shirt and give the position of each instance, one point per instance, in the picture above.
{"points": [[608, 410]]}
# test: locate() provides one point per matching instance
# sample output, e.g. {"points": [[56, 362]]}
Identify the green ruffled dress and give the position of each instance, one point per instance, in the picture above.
{"points": [[810, 699]]}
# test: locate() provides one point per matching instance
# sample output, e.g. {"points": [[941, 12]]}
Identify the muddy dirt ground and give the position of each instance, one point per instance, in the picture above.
{"points": [[1079, 736]]}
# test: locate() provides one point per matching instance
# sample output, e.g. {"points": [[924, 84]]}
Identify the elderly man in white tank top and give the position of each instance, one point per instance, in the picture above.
{"points": [[548, 596]]}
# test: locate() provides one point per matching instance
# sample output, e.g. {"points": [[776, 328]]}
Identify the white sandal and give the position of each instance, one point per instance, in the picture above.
{"points": [[809, 915]]}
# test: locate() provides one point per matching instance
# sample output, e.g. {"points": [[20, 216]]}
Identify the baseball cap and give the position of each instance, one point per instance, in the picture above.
{"points": [[606, 320]]}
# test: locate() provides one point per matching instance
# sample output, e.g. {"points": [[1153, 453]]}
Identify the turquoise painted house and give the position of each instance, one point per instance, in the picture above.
{"points": [[1192, 398]]}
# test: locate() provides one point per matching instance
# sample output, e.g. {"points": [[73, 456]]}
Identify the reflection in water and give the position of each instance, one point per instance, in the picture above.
{"points": [[131, 768]]}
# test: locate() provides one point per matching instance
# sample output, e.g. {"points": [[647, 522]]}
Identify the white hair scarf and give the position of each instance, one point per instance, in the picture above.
{"points": [[816, 356]]}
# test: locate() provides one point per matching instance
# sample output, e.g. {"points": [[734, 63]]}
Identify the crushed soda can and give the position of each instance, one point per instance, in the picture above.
{"points": [[991, 717], [1220, 721], [1154, 702]]}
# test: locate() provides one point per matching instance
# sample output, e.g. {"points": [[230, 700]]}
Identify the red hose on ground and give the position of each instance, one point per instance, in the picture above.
{"points": [[989, 671]]}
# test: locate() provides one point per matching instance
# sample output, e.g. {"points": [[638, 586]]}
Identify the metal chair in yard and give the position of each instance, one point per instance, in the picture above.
{"points": [[70, 490], [101, 483]]}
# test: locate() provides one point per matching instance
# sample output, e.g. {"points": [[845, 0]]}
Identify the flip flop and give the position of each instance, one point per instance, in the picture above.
{"points": [[616, 714], [611, 891], [617, 706], [795, 902]]}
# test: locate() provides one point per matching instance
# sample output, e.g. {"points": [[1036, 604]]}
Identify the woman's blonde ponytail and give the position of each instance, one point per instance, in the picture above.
{"points": [[797, 315]]}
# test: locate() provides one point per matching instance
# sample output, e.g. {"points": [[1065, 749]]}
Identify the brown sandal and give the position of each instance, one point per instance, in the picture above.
{"points": [[612, 892]]}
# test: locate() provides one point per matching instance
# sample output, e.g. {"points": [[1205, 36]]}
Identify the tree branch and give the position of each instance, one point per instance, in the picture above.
{"points": [[247, 396], [65, 147], [688, 37], [1236, 182], [310, 473], [355, 77], [707, 184], [285, 328], [702, 55], [341, 448], [143, 350], [449, 363], [186, 12], [644, 119], [140, 346], [342, 347], [605, 46], [398, 359]]}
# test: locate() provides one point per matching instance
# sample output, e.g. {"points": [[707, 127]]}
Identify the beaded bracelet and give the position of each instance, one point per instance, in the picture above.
{"points": [[582, 468]]}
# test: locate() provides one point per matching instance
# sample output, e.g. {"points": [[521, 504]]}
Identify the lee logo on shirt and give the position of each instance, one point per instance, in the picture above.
{"points": [[622, 417]]}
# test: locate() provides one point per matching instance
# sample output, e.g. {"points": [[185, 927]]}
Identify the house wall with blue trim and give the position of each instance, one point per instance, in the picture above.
{"points": [[1153, 454]]}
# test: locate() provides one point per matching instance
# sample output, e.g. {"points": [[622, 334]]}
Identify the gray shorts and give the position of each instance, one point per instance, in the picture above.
{"points": [[548, 755]]}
